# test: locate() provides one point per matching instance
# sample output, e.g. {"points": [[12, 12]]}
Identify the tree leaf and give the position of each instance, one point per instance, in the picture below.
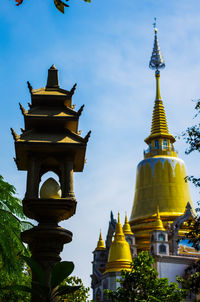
{"points": [[61, 271], [23, 288], [66, 289]]}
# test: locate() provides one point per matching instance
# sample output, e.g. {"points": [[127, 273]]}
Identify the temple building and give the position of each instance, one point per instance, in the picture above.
{"points": [[161, 208]]}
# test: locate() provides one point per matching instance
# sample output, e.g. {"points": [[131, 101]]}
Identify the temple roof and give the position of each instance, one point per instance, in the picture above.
{"points": [[62, 137], [46, 91], [51, 112], [51, 120]]}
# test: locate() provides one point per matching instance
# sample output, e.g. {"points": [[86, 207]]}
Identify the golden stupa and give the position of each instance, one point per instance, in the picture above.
{"points": [[119, 257], [160, 176], [126, 227], [100, 244], [158, 224]]}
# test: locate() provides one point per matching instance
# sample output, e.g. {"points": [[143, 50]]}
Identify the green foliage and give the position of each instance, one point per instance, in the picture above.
{"points": [[12, 295], [192, 281], [194, 234], [12, 268], [39, 288], [11, 226], [192, 134], [81, 295], [142, 284], [60, 271]]}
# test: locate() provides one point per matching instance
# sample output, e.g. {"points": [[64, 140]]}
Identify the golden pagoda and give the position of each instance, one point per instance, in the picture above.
{"points": [[100, 244], [160, 176], [119, 257], [127, 227], [158, 224]]}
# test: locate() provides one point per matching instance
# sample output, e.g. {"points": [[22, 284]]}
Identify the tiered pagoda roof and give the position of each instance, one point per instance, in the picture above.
{"points": [[51, 119]]}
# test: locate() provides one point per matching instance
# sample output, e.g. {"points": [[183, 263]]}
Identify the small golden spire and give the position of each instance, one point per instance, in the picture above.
{"points": [[158, 224], [118, 217], [118, 229], [100, 243], [159, 128], [158, 212], [127, 227], [119, 257]]}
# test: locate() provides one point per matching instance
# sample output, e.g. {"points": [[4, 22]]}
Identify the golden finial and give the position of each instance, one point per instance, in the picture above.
{"points": [[126, 219], [154, 25], [156, 61], [159, 128], [119, 217], [158, 224], [158, 212], [118, 229], [100, 243], [126, 226], [100, 235]]}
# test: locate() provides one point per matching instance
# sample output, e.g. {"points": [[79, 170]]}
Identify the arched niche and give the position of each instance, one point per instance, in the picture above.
{"points": [[162, 249], [53, 180], [61, 166], [161, 237]]}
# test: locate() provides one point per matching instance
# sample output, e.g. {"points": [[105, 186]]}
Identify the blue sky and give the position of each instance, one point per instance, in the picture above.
{"points": [[105, 47]]}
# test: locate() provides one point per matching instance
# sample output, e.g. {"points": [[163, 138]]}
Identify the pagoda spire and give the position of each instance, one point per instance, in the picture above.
{"points": [[52, 80], [100, 243], [156, 61], [160, 175], [159, 127], [127, 227], [158, 225], [119, 257]]}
